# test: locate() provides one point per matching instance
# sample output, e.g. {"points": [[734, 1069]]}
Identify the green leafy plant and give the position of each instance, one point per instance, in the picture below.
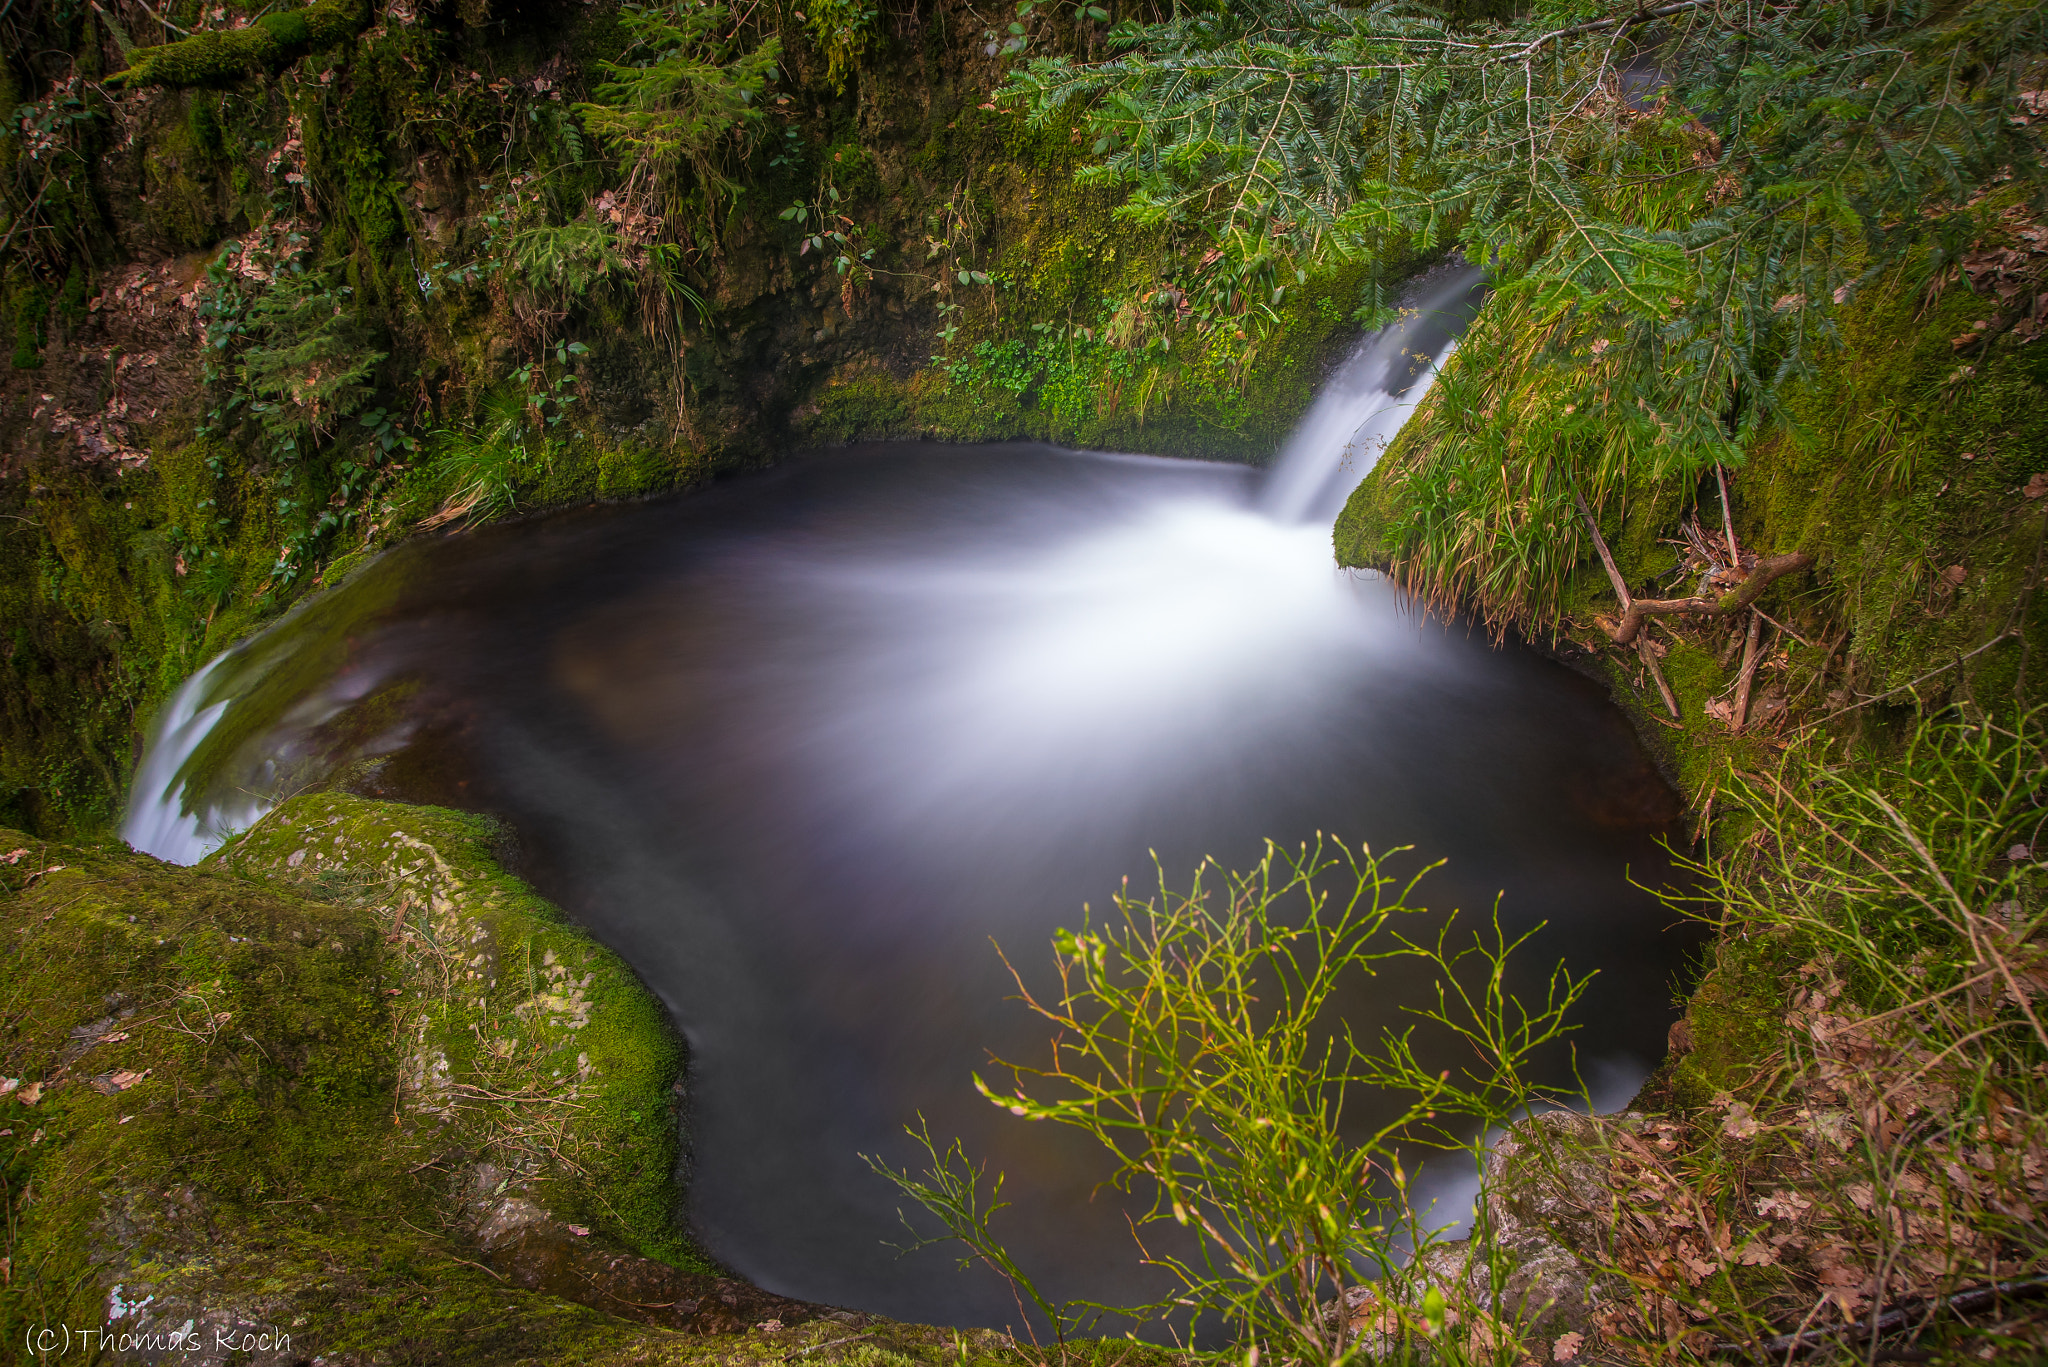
{"points": [[44, 170], [835, 237], [387, 431], [308, 361], [680, 110], [289, 358], [842, 29], [476, 473], [551, 389], [1196, 1037], [1701, 185], [569, 260], [680, 99]]}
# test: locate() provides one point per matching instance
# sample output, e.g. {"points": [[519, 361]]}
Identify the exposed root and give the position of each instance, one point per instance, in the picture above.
{"points": [[1767, 570]]}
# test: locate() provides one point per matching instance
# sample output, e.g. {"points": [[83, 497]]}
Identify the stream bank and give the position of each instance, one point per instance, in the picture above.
{"points": [[1858, 750]]}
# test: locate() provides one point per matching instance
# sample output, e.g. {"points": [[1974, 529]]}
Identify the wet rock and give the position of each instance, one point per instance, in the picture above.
{"points": [[1535, 1274]]}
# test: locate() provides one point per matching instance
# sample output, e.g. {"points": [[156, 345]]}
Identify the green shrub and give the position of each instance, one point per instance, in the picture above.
{"points": [[1193, 1038]]}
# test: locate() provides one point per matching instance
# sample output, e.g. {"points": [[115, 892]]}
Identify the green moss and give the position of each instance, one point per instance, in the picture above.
{"points": [[264, 1036], [28, 306], [289, 28], [71, 300], [270, 44], [1733, 1023], [868, 403], [558, 1004], [202, 124], [220, 1105], [180, 195], [1362, 536]]}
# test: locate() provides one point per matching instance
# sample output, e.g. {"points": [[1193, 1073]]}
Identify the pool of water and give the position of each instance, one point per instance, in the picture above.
{"points": [[806, 747]]}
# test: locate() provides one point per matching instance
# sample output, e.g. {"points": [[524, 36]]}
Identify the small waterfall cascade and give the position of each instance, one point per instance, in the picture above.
{"points": [[1093, 637], [801, 746], [1368, 399], [157, 820]]}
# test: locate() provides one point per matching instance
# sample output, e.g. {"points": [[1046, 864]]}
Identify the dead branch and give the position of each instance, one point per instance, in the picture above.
{"points": [[1905, 1315], [1727, 518], [1768, 569], [1649, 658], [1751, 653], [833, 1344], [1600, 542]]}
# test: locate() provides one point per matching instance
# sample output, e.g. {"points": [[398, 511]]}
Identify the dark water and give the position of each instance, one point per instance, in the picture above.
{"points": [[801, 746]]}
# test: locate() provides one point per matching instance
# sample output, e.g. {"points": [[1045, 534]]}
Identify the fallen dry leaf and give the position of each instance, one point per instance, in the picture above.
{"points": [[1740, 1124], [1567, 1346], [1757, 1253], [1783, 1205]]}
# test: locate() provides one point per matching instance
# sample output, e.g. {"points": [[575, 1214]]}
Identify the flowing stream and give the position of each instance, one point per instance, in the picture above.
{"points": [[800, 746]]}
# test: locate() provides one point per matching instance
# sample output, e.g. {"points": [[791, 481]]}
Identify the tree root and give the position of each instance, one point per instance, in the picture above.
{"points": [[1767, 569]]}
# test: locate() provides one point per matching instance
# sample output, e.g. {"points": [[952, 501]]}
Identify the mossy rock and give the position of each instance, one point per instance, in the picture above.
{"points": [[349, 1083], [269, 45], [1360, 537], [1543, 1257], [497, 997], [351, 1093], [1734, 1021]]}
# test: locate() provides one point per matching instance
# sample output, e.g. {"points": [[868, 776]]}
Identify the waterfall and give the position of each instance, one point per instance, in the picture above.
{"points": [[1094, 638], [158, 821], [800, 746], [1367, 400]]}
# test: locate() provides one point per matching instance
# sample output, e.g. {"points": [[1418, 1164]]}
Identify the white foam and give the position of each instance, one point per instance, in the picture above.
{"points": [[159, 820], [1104, 648], [1348, 428]]}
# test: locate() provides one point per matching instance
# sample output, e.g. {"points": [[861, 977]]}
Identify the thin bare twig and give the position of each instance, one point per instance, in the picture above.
{"points": [[1649, 659], [1727, 517], [1912, 683], [1600, 542], [1751, 653]]}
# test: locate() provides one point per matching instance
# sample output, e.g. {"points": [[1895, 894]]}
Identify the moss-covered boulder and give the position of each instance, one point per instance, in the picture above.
{"points": [[347, 1091], [519, 1042]]}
